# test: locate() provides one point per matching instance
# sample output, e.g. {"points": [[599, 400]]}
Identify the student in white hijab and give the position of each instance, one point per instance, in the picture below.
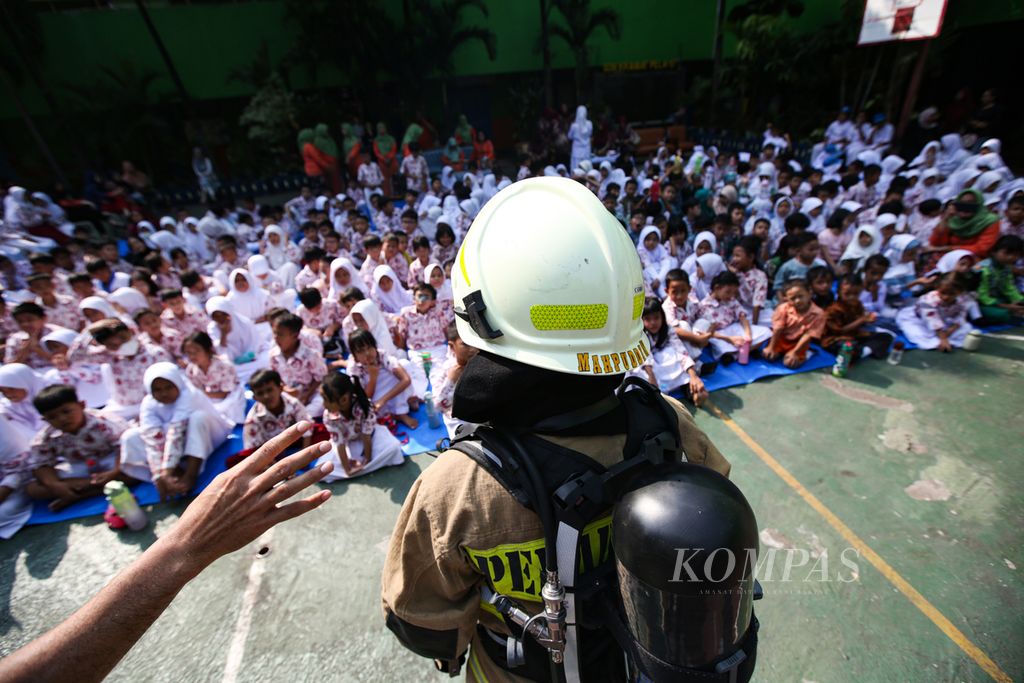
{"points": [[19, 384], [282, 255], [656, 261], [178, 430], [343, 275], [951, 154], [434, 275], [928, 156], [391, 298], [375, 324], [247, 297], [235, 336], [196, 246], [708, 238], [280, 296], [16, 508], [580, 133], [96, 308], [87, 378], [707, 267], [129, 300], [867, 241], [808, 208]]}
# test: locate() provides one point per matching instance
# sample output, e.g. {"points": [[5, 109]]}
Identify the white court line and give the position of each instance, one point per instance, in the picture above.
{"points": [[1011, 337], [241, 632]]}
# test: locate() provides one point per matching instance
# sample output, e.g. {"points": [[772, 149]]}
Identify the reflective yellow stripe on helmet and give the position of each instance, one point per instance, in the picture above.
{"points": [[569, 317], [638, 305]]}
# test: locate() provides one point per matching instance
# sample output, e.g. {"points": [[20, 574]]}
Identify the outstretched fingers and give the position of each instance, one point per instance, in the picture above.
{"points": [[285, 468], [299, 507], [265, 454], [289, 488]]}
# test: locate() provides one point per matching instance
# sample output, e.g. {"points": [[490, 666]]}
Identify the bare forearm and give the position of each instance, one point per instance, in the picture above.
{"points": [[95, 638]]}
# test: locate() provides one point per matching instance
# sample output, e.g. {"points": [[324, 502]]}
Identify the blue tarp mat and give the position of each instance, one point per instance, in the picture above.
{"points": [[421, 439], [735, 374]]}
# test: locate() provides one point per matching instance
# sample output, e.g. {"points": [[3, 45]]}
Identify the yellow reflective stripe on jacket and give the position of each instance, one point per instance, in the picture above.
{"points": [[474, 666], [516, 569]]}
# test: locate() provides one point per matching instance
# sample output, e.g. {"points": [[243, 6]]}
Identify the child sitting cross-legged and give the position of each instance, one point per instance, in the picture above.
{"points": [[384, 380], [422, 327], [214, 375], [680, 308], [360, 445], [76, 453], [273, 412], [1001, 302], [178, 430], [938, 320], [728, 321], [300, 366], [846, 322], [795, 324], [669, 366]]}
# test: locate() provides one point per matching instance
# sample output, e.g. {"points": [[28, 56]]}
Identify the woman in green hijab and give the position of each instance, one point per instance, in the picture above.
{"points": [[412, 134], [352, 146], [463, 131], [452, 155], [325, 144], [968, 224], [385, 149]]}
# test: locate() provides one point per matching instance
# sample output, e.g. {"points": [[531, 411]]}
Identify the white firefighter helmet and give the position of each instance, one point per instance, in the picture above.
{"points": [[547, 277]]}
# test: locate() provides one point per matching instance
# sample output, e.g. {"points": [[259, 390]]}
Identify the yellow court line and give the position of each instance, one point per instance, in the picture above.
{"points": [[901, 584]]}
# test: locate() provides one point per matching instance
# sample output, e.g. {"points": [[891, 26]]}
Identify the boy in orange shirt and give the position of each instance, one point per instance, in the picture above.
{"points": [[795, 324]]}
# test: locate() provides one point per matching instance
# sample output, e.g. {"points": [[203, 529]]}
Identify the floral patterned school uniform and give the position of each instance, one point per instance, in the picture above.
{"points": [[220, 376], [193, 321], [754, 292], [425, 333], [921, 322], [170, 341], [99, 439], [126, 373], [64, 313], [307, 278], [386, 381], [330, 313], [686, 318], [19, 340], [725, 316], [261, 425], [401, 268], [442, 254], [348, 434], [304, 367]]}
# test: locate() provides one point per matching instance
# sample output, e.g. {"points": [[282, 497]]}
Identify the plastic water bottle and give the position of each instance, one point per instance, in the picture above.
{"points": [[425, 356], [973, 340], [896, 354], [433, 417], [842, 365], [123, 500], [743, 357]]}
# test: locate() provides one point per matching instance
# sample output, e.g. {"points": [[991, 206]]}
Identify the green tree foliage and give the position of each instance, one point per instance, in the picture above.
{"points": [[269, 116], [579, 23]]}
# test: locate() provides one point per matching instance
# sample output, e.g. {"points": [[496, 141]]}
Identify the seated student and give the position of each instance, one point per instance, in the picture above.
{"points": [[704, 243], [795, 324], [761, 229], [385, 380], [236, 337], [153, 332], [178, 430], [708, 267], [680, 308], [198, 289], [324, 316], [387, 292], [310, 239], [342, 275], [846, 322], [372, 245], [459, 353], [81, 286], [269, 282], [924, 219], [873, 294], [15, 505], [25, 346], [835, 237], [1000, 300], [311, 274], [446, 247], [104, 279], [421, 250], [435, 276], [1013, 216], [669, 366], [819, 281], [728, 321], [77, 452], [753, 282], [61, 310], [273, 412], [19, 385], [392, 255], [214, 375], [247, 297], [807, 248], [938, 319], [180, 316], [86, 378], [360, 445], [300, 365], [655, 260], [128, 359], [421, 327], [902, 252]]}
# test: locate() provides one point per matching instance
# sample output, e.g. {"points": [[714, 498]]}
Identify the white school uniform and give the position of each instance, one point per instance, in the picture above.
{"points": [[387, 452], [17, 508]]}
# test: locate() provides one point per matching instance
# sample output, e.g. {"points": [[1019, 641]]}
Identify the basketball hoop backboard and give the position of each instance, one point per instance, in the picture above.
{"points": [[889, 20]]}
